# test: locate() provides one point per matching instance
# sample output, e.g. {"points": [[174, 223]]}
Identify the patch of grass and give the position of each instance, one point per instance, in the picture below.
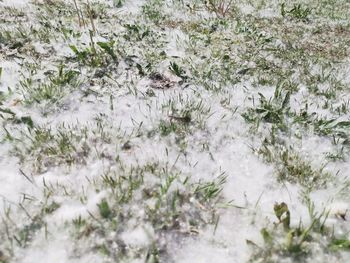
{"points": [[294, 169], [43, 148], [51, 90], [14, 39], [166, 128], [291, 167], [168, 200], [152, 11], [183, 113]]}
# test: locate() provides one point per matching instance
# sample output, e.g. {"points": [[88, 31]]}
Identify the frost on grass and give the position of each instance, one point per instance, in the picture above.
{"points": [[174, 131]]}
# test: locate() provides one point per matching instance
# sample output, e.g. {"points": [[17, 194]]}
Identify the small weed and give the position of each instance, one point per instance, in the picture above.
{"points": [[297, 11], [166, 128], [211, 190], [108, 47], [105, 211], [177, 70], [136, 32], [91, 56], [272, 111]]}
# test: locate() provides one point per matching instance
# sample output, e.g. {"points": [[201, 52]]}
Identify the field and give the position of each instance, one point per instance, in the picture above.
{"points": [[174, 131]]}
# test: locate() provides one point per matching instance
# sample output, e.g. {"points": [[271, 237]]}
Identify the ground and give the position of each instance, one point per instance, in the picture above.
{"points": [[174, 131]]}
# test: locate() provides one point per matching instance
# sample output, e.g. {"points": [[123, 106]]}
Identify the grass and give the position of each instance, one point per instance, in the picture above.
{"points": [[297, 11], [170, 204], [51, 90], [93, 94], [14, 39], [48, 149]]}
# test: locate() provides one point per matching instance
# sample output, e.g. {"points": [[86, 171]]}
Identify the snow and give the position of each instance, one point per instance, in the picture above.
{"points": [[15, 3], [10, 75]]}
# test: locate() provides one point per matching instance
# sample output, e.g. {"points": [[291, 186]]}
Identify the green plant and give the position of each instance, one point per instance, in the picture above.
{"points": [[297, 11], [92, 56], [177, 70], [272, 111], [104, 209], [108, 47], [137, 32], [166, 128]]}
